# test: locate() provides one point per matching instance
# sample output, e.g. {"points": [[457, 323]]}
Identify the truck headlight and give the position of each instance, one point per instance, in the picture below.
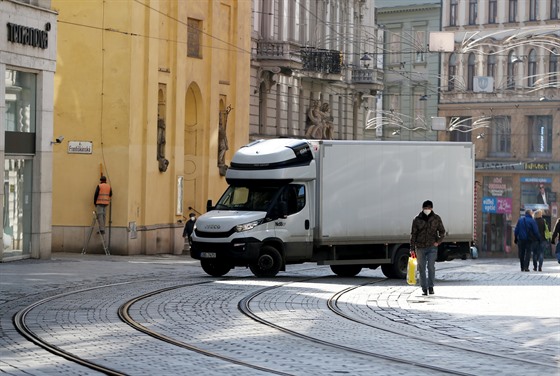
{"points": [[247, 226]]}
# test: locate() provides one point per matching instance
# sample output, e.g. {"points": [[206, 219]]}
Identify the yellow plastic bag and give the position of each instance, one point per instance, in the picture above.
{"points": [[411, 269]]}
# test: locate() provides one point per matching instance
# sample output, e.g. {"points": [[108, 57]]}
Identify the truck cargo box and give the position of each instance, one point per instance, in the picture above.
{"points": [[369, 191]]}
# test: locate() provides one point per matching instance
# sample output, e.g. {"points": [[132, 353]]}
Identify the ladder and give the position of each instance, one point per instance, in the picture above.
{"points": [[95, 223]]}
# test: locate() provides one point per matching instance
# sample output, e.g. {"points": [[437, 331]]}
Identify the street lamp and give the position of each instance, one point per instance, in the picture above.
{"points": [[365, 60]]}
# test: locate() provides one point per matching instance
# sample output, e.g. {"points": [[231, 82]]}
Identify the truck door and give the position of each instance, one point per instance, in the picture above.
{"points": [[294, 228]]}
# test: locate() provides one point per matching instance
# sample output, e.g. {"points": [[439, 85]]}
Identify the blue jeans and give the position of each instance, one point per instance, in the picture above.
{"points": [[538, 253], [427, 257], [525, 247]]}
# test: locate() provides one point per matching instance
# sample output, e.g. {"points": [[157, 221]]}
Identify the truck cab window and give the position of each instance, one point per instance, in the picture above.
{"points": [[293, 197]]}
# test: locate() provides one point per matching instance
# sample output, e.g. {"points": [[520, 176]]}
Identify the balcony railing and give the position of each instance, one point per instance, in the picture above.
{"points": [[366, 75], [276, 50], [321, 60]]}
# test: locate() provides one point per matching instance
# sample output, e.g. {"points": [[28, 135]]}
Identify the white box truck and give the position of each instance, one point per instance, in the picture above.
{"points": [[347, 204]]}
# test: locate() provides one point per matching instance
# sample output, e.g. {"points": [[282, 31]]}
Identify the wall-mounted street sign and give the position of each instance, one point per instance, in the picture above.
{"points": [[80, 147]]}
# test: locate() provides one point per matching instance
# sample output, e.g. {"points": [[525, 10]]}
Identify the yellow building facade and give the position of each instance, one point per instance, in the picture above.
{"points": [[155, 96]]}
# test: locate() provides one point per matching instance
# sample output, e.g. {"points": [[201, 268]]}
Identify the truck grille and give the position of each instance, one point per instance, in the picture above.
{"points": [[206, 234]]}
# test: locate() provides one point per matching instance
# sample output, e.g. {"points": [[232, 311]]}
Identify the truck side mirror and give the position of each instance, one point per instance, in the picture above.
{"points": [[209, 206]]}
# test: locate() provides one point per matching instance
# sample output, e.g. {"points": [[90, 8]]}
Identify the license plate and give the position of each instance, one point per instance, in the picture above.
{"points": [[208, 254]]}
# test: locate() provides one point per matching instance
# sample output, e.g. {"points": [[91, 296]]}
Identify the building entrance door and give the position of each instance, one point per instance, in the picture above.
{"points": [[17, 207]]}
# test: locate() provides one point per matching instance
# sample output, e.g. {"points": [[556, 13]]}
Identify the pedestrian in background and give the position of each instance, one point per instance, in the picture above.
{"points": [[556, 233], [426, 235], [526, 236], [542, 244], [188, 230], [101, 199]]}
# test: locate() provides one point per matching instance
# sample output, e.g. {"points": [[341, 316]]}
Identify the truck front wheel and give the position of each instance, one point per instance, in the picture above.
{"points": [[346, 270], [398, 268], [268, 264], [215, 269]]}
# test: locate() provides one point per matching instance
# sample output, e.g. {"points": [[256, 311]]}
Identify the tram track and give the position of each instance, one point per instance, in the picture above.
{"points": [[244, 306]]}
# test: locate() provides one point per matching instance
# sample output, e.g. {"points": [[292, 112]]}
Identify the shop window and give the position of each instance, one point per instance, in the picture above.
{"points": [[21, 88], [500, 136], [497, 214], [536, 194], [540, 136]]}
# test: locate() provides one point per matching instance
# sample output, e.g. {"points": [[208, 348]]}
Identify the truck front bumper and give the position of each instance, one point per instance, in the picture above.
{"points": [[239, 252]]}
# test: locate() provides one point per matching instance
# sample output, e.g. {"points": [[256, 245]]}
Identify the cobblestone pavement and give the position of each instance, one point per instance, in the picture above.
{"points": [[486, 318]]}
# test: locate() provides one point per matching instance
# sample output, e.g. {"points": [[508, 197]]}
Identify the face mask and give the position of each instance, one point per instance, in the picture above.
{"points": [[192, 218], [427, 211]]}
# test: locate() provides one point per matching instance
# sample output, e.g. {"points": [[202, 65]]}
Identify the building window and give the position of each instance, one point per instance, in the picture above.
{"points": [[532, 69], [194, 38], [500, 136], [473, 11], [512, 11], [461, 129], [554, 9], [395, 48], [453, 13], [492, 11], [540, 136], [533, 10], [553, 68], [491, 65], [470, 72], [510, 78], [452, 71], [420, 46]]}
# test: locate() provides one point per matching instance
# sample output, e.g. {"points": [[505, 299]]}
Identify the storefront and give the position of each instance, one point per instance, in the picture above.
{"points": [[504, 197], [27, 64]]}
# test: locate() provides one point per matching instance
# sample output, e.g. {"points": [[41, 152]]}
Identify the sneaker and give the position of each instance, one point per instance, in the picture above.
{"points": [[540, 269], [424, 292], [431, 290], [534, 268]]}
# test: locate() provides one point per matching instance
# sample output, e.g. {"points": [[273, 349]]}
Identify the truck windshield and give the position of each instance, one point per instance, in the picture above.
{"points": [[247, 198]]}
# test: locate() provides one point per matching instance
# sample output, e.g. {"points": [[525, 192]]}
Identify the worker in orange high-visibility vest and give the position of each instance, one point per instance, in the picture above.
{"points": [[101, 199]]}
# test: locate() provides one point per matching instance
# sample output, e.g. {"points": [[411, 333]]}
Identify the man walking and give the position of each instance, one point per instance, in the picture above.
{"points": [[101, 199], [427, 234], [526, 237]]}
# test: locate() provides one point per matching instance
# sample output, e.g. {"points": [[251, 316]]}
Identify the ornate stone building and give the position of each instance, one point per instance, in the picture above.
{"points": [[500, 89], [313, 72]]}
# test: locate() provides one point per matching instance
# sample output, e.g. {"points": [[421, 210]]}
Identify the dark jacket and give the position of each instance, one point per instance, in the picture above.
{"points": [[540, 226], [525, 226], [556, 231], [426, 230], [188, 230]]}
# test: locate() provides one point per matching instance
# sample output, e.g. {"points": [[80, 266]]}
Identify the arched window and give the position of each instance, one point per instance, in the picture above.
{"points": [[532, 69], [510, 78], [553, 68], [452, 71], [491, 65], [470, 72]]}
